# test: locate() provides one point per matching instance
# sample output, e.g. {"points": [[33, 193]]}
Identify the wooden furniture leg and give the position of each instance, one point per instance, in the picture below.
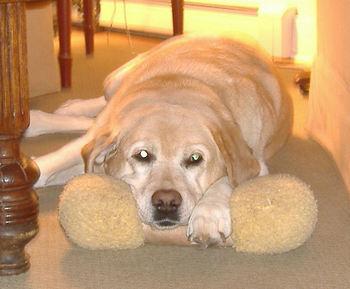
{"points": [[64, 33], [177, 10], [88, 8], [18, 201]]}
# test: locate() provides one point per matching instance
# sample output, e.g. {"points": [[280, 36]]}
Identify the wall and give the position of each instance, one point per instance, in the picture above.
{"points": [[43, 72], [329, 100], [155, 17]]}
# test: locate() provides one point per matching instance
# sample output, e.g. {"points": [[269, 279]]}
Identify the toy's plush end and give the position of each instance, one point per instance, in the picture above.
{"points": [[272, 214], [97, 212]]}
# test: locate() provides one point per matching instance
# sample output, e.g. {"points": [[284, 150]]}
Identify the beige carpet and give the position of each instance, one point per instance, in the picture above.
{"points": [[323, 262]]}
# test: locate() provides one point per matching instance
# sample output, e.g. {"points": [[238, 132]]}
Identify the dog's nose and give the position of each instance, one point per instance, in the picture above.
{"points": [[166, 201]]}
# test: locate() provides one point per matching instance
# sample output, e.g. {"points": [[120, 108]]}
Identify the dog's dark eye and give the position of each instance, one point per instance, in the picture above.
{"points": [[194, 159], [143, 156]]}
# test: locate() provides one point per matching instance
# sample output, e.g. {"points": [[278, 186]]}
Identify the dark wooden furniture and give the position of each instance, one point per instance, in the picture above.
{"points": [[88, 9], [64, 30], [178, 16], [18, 201]]}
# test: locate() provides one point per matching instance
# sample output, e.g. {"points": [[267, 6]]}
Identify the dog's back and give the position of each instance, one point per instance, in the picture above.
{"points": [[241, 75]]}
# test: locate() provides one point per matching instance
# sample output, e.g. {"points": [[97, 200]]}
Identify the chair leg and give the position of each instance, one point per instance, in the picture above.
{"points": [[178, 18], [89, 26], [64, 34], [18, 201]]}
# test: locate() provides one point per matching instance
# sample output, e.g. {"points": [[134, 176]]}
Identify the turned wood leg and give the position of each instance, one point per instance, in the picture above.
{"points": [[178, 18], [18, 201], [64, 33], [89, 26]]}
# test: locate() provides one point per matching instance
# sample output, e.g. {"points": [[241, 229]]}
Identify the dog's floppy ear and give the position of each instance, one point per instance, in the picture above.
{"points": [[95, 152], [240, 163]]}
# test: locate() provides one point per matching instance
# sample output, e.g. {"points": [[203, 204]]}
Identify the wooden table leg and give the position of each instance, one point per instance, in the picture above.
{"points": [[18, 201], [178, 16], [89, 26], [64, 34]]}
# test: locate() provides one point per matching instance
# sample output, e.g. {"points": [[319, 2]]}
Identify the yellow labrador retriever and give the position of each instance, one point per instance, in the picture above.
{"points": [[184, 123]]}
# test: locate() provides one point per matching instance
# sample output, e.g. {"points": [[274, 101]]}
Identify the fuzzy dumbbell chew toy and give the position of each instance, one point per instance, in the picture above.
{"points": [[271, 214]]}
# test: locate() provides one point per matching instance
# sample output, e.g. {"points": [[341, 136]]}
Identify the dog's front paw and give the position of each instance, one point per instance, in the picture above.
{"points": [[209, 224]]}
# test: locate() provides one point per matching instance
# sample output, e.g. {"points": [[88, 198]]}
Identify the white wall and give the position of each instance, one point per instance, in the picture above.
{"points": [[155, 17]]}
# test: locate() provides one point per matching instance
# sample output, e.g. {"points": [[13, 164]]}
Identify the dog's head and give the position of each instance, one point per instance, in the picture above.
{"points": [[169, 154]]}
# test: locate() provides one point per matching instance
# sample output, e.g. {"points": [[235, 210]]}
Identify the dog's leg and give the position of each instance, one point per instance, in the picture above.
{"points": [[92, 107], [263, 168], [82, 107], [210, 222], [58, 167], [43, 123]]}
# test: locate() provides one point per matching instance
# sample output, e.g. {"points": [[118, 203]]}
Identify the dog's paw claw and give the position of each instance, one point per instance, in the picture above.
{"points": [[209, 225]]}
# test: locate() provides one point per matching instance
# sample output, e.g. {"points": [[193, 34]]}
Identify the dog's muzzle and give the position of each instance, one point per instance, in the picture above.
{"points": [[166, 205]]}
